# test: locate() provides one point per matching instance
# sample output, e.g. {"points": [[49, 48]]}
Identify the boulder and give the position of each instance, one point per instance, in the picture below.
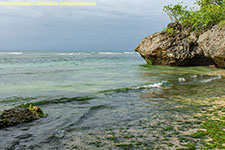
{"points": [[14, 116], [212, 43], [175, 46]]}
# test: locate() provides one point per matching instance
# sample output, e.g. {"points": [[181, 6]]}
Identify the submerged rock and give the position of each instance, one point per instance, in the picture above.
{"points": [[14, 116], [218, 73], [178, 46], [212, 43]]}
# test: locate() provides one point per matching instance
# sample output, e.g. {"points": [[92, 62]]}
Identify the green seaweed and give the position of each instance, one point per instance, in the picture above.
{"points": [[215, 130], [198, 134], [149, 62], [138, 143], [125, 145], [56, 101], [190, 146], [168, 128], [36, 110], [112, 138], [116, 90]]}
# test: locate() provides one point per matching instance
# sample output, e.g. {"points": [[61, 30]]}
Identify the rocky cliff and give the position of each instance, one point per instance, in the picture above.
{"points": [[177, 46]]}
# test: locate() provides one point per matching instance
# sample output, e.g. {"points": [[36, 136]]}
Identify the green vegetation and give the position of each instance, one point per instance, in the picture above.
{"points": [[190, 146], [169, 31], [210, 13], [199, 134], [169, 144], [125, 145], [112, 138], [215, 131], [222, 23], [83, 99], [168, 128], [138, 143], [212, 128], [149, 62], [37, 110]]}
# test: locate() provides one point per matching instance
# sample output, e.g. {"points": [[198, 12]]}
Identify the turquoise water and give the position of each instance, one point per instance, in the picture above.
{"points": [[34, 76], [91, 90]]}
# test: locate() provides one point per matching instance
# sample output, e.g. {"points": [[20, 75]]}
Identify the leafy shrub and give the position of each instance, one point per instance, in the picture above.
{"points": [[210, 12], [177, 13]]}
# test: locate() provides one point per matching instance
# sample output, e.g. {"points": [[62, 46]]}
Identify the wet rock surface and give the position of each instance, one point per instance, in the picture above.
{"points": [[178, 46], [13, 117]]}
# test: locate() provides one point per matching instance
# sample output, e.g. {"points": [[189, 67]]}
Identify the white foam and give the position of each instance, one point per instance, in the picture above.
{"points": [[129, 52], [155, 85], [211, 79], [181, 79], [11, 53], [89, 53], [110, 53], [194, 76], [68, 54]]}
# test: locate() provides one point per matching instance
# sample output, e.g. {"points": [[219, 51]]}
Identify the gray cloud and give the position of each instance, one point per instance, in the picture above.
{"points": [[111, 25]]}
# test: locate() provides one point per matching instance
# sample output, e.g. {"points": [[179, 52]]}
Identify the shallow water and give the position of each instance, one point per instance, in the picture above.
{"points": [[93, 95]]}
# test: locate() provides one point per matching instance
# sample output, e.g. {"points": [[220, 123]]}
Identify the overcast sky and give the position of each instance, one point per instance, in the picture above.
{"points": [[111, 25]]}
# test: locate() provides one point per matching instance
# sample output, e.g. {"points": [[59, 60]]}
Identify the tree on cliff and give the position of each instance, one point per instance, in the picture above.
{"points": [[208, 14]]}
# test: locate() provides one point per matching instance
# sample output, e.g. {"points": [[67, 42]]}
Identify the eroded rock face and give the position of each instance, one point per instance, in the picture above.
{"points": [[175, 48], [212, 43]]}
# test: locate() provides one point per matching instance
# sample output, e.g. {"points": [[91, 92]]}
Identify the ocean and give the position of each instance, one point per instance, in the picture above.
{"points": [[98, 100]]}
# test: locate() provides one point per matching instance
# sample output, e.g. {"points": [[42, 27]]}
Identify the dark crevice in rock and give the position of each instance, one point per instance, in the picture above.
{"points": [[193, 46], [201, 61]]}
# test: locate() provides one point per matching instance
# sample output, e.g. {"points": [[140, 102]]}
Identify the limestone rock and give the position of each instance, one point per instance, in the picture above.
{"points": [[212, 43], [174, 47]]}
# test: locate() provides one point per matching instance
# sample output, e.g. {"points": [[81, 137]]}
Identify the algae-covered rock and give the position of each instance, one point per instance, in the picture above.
{"points": [[14, 116]]}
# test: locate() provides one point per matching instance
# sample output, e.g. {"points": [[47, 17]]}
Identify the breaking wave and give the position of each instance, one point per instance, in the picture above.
{"points": [[212, 79], [87, 98], [11, 53], [94, 53], [147, 86]]}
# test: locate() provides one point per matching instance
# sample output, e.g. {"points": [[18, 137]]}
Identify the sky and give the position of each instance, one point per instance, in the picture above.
{"points": [[111, 25]]}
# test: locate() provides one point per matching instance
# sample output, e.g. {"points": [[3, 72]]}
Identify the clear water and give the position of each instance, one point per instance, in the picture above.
{"points": [[91, 91]]}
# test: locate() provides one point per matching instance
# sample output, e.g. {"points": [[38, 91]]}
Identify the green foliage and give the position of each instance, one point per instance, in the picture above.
{"points": [[210, 12], [208, 2], [169, 31], [222, 24], [176, 12], [149, 62]]}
